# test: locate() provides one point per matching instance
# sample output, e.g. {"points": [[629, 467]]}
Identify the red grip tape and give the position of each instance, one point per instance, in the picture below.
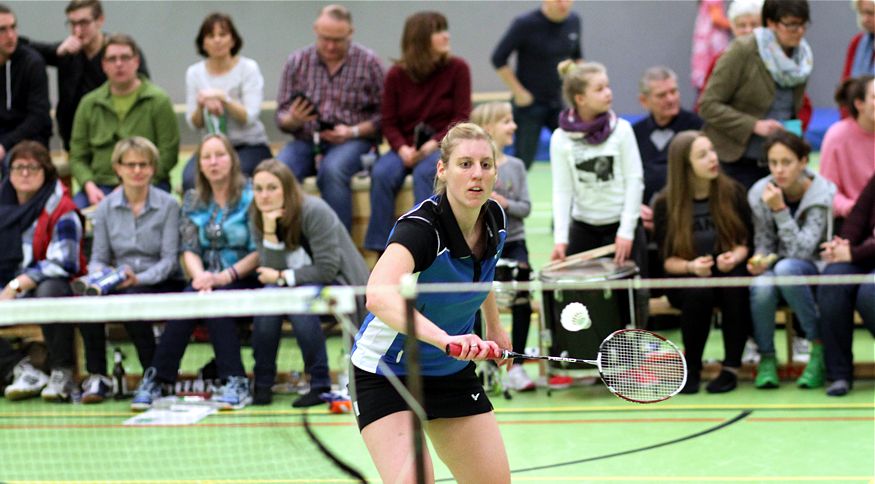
{"points": [[455, 349]]}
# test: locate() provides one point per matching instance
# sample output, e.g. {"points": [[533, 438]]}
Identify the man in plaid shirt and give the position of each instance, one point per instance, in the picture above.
{"points": [[329, 100]]}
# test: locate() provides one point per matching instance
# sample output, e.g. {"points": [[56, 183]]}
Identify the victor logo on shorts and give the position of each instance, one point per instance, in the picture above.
{"points": [[475, 396]]}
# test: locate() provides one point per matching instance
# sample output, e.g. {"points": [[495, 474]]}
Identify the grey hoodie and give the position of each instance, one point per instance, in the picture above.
{"points": [[798, 236]]}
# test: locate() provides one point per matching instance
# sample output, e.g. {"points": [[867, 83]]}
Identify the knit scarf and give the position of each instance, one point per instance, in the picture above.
{"points": [[15, 219], [594, 132], [786, 71]]}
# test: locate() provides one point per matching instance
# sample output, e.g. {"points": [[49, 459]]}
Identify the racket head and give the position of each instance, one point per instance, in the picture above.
{"points": [[641, 366]]}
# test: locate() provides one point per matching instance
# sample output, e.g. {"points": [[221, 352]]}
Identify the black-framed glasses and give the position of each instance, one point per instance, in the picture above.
{"points": [[79, 23], [793, 26], [137, 165], [20, 168], [124, 58]]}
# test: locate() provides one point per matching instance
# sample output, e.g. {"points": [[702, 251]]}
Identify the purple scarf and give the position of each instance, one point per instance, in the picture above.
{"points": [[594, 132]]}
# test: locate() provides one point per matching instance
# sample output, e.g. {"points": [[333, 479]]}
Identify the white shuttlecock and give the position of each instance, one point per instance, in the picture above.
{"points": [[575, 317]]}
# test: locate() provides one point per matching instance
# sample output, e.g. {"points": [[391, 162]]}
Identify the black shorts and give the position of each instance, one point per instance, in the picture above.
{"points": [[456, 395]]}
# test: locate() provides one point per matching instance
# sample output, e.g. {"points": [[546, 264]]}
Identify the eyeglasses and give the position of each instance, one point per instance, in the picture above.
{"points": [[124, 58], [79, 23], [137, 165], [20, 168], [793, 26]]}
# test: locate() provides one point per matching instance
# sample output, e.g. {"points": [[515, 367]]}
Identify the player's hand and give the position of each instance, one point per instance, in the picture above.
{"points": [[623, 250], [474, 348]]}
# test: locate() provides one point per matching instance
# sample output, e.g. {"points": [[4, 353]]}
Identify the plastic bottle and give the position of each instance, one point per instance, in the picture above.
{"points": [[119, 381]]}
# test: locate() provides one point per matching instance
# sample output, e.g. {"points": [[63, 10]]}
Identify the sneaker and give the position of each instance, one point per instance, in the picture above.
{"points": [[814, 374], [767, 373], [60, 386], [27, 381], [559, 382], [263, 396], [801, 350], [235, 394], [751, 352], [95, 388], [311, 399], [838, 388], [726, 381], [518, 379], [147, 392]]}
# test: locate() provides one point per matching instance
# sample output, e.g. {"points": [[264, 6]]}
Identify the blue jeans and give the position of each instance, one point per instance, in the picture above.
{"points": [[223, 336], [81, 198], [837, 330], [530, 120], [266, 334], [250, 156], [764, 298], [387, 178], [338, 165]]}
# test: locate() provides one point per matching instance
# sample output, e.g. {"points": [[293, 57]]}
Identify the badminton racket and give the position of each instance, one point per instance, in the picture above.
{"points": [[636, 365]]}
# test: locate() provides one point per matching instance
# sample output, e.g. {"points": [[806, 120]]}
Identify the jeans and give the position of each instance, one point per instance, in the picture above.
{"points": [[81, 198], [764, 298], [266, 334], [140, 332], [250, 156], [223, 336], [837, 330], [59, 337], [387, 178], [339, 164], [530, 120]]}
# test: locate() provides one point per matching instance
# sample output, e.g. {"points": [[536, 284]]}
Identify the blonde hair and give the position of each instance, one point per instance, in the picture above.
{"points": [[490, 113], [455, 135], [575, 76], [139, 145]]}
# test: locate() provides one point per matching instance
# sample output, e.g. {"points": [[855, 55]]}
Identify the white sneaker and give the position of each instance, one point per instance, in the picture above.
{"points": [[518, 379], [801, 350], [751, 353], [60, 386], [27, 382]]}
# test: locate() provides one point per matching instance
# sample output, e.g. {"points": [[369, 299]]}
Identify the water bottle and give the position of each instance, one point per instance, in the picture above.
{"points": [[119, 382]]}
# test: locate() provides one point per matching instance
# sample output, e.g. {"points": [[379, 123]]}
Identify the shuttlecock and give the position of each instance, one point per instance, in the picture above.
{"points": [[575, 317]]}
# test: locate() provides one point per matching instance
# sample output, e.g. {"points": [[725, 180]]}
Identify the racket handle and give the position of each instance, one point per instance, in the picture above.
{"points": [[455, 349]]}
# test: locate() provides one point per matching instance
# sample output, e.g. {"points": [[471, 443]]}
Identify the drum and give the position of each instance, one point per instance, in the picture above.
{"points": [[608, 309], [506, 271]]}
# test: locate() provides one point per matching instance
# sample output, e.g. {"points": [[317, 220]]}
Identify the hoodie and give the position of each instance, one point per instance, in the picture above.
{"points": [[793, 236], [24, 99]]}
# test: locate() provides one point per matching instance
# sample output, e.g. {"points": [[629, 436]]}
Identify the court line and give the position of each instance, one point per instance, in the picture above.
{"points": [[867, 479], [741, 416]]}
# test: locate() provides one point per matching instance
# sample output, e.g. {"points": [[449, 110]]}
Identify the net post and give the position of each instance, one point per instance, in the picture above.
{"points": [[414, 377]]}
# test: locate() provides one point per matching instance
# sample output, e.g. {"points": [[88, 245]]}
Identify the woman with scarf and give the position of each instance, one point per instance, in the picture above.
{"points": [[598, 180], [757, 89], [41, 237]]}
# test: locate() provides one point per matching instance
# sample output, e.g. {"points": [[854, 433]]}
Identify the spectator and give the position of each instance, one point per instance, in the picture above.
{"points": [[41, 236], [702, 212], [710, 38], [223, 94], [329, 99], [78, 61], [301, 242], [135, 228], [541, 39], [658, 94], [597, 174], [847, 156], [219, 254], [427, 91], [127, 104], [852, 253], [757, 86], [792, 217], [860, 57], [511, 191], [24, 101]]}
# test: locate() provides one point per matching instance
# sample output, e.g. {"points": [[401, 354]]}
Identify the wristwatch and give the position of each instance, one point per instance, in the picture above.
{"points": [[15, 285], [281, 281]]}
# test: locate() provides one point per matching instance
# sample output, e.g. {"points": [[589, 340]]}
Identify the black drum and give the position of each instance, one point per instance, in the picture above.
{"points": [[608, 309]]}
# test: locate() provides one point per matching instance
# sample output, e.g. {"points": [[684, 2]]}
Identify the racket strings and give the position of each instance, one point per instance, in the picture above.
{"points": [[642, 367]]}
